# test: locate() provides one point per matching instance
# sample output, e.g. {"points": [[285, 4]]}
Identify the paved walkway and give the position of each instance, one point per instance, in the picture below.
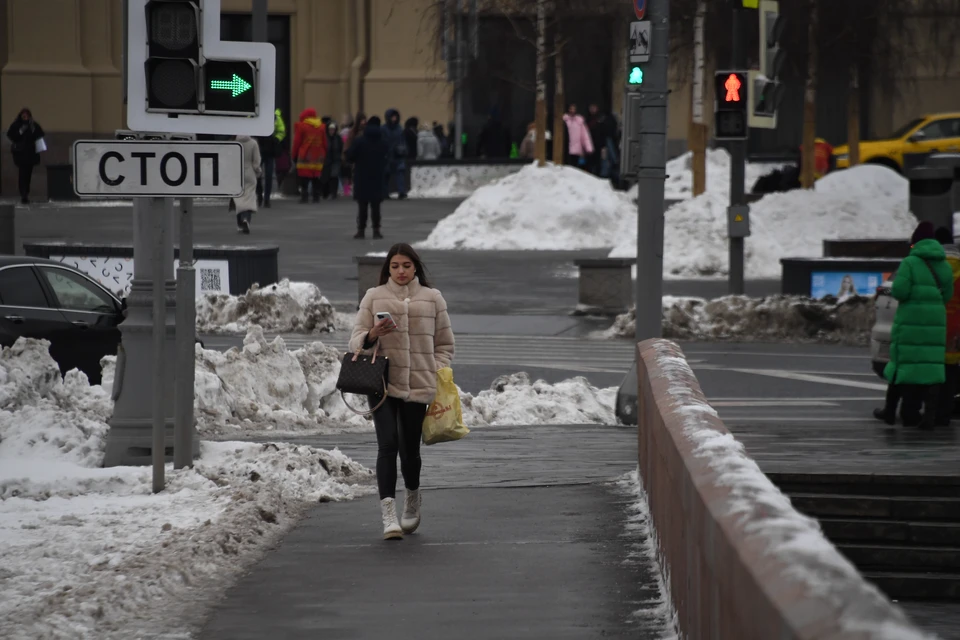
{"points": [[523, 536]]}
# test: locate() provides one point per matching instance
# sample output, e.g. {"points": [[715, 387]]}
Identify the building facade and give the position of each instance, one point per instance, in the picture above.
{"points": [[63, 59]]}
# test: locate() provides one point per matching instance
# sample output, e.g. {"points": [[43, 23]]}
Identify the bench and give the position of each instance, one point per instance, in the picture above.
{"points": [[606, 286]]}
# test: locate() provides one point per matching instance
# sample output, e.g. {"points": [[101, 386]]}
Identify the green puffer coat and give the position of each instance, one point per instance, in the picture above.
{"points": [[918, 340]]}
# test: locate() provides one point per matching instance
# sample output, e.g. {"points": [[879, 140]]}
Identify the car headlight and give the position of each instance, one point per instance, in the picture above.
{"points": [[842, 156]]}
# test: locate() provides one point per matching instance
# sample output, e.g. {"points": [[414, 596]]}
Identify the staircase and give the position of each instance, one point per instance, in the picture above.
{"points": [[902, 532]]}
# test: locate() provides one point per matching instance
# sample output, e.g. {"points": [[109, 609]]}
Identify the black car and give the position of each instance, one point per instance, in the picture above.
{"points": [[45, 299]]}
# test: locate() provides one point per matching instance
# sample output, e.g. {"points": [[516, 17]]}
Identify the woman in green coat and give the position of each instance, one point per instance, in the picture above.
{"points": [[918, 339]]}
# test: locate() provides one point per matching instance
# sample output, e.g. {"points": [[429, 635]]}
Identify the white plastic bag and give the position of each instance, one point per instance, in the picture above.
{"points": [[40, 145]]}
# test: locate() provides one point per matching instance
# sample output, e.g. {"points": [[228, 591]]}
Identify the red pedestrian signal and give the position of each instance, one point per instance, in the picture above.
{"points": [[732, 85]]}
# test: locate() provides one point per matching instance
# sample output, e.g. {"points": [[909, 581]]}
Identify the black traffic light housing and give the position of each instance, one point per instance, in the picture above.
{"points": [[768, 90], [173, 56], [731, 105]]}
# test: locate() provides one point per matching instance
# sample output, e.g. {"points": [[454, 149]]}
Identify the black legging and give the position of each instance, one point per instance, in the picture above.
{"points": [[23, 182], [399, 427], [365, 206]]}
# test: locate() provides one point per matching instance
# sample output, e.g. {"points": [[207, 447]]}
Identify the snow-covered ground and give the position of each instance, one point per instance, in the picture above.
{"points": [[868, 201], [792, 318], [554, 207], [85, 552], [679, 183], [282, 307]]}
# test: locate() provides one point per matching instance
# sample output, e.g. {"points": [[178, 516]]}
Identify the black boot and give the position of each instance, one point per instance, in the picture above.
{"points": [[930, 397], [359, 235], [376, 234], [888, 413]]}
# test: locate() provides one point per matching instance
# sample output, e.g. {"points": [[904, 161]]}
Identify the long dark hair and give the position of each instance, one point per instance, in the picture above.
{"points": [[403, 249]]}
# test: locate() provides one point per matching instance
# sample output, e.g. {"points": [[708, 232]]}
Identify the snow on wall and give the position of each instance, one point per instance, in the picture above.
{"points": [[756, 517]]}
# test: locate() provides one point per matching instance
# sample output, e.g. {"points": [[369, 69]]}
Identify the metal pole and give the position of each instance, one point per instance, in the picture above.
{"points": [[458, 115], [158, 450], [8, 230], [652, 130], [738, 159], [185, 336], [124, 12], [260, 20]]}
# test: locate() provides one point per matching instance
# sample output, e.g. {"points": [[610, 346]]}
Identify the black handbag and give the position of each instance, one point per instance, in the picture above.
{"points": [[364, 375]]}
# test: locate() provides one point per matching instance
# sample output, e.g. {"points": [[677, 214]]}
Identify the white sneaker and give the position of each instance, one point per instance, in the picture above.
{"points": [[391, 528], [411, 511]]}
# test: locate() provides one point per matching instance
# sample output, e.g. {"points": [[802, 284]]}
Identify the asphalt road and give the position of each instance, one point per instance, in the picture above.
{"points": [[316, 245]]}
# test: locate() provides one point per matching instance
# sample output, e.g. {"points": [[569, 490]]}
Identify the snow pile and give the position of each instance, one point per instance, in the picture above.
{"points": [[89, 552], [868, 201], [769, 521], [792, 318], [265, 387], [679, 182], [548, 208], [283, 308], [515, 400]]}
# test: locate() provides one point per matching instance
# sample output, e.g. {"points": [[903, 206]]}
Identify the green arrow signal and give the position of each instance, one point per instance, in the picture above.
{"points": [[238, 85]]}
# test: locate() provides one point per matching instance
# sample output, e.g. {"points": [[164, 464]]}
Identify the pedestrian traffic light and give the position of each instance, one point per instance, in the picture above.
{"points": [[636, 76], [183, 79], [730, 105], [767, 89]]}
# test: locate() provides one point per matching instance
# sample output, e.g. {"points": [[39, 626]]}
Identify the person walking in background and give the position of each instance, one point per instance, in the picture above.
{"points": [[528, 147], [349, 137], [951, 385], [346, 136], [309, 152], [270, 147], [410, 135], [25, 135], [923, 286], [441, 140], [580, 145], [330, 176], [494, 141], [428, 147], [246, 204], [397, 152], [368, 153], [418, 339], [603, 130]]}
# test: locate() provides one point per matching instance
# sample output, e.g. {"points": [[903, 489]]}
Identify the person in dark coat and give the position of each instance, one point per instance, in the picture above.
{"points": [[392, 134], [330, 175], [369, 153], [603, 132], [23, 134], [411, 129], [494, 141]]}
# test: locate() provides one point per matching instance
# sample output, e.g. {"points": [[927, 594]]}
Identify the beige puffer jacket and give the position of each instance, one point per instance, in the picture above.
{"points": [[422, 343]]}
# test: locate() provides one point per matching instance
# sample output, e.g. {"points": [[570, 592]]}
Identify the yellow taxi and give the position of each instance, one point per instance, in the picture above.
{"points": [[908, 146]]}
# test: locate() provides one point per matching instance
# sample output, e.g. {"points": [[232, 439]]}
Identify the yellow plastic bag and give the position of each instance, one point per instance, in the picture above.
{"points": [[444, 421]]}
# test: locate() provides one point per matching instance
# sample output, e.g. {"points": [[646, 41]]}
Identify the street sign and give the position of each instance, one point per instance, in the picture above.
{"points": [[157, 169], [181, 78], [640, 39], [640, 8]]}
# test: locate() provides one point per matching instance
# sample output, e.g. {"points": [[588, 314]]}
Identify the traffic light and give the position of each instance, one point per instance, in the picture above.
{"points": [[636, 76], [768, 91], [183, 79], [730, 105]]}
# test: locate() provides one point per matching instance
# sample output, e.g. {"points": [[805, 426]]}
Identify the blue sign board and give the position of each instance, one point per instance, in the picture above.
{"points": [[844, 285]]}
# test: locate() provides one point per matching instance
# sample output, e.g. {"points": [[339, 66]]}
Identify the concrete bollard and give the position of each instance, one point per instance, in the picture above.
{"points": [[368, 273], [8, 230]]}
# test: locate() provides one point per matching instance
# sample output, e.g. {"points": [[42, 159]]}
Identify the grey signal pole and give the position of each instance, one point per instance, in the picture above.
{"points": [[648, 130], [738, 160]]}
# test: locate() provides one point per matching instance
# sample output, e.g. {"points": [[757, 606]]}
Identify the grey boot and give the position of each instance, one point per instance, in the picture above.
{"points": [[391, 528], [410, 519]]}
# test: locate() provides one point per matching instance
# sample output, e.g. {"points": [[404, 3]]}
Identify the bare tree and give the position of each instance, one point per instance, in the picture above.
{"points": [[808, 151], [541, 108]]}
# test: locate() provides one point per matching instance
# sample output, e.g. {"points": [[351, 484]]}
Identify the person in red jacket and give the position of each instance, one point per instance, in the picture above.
{"points": [[309, 152]]}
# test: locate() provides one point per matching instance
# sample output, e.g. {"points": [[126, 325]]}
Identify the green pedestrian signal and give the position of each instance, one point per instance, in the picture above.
{"points": [[237, 85], [636, 76]]}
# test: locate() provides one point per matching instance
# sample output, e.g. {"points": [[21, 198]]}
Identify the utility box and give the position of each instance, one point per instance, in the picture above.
{"points": [[950, 161], [932, 194]]}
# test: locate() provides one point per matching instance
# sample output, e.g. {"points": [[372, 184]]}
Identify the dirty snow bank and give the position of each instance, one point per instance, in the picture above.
{"points": [[790, 318], [87, 552], [515, 400], [769, 521], [548, 208], [679, 182], [868, 201], [285, 307], [264, 387]]}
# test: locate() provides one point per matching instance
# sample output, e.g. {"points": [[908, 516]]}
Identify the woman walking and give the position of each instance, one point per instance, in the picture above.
{"points": [[417, 338], [330, 176], [368, 154], [246, 204], [309, 152], [24, 134], [918, 340]]}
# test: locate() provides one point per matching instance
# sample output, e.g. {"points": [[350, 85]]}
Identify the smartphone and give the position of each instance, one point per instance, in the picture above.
{"points": [[383, 315]]}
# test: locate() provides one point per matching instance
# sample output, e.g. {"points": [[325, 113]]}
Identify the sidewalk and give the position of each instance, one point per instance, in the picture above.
{"points": [[523, 537]]}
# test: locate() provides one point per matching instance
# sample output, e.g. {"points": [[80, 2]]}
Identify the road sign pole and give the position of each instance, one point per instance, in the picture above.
{"points": [[159, 230], [183, 424], [738, 158], [458, 85], [260, 20], [650, 138]]}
